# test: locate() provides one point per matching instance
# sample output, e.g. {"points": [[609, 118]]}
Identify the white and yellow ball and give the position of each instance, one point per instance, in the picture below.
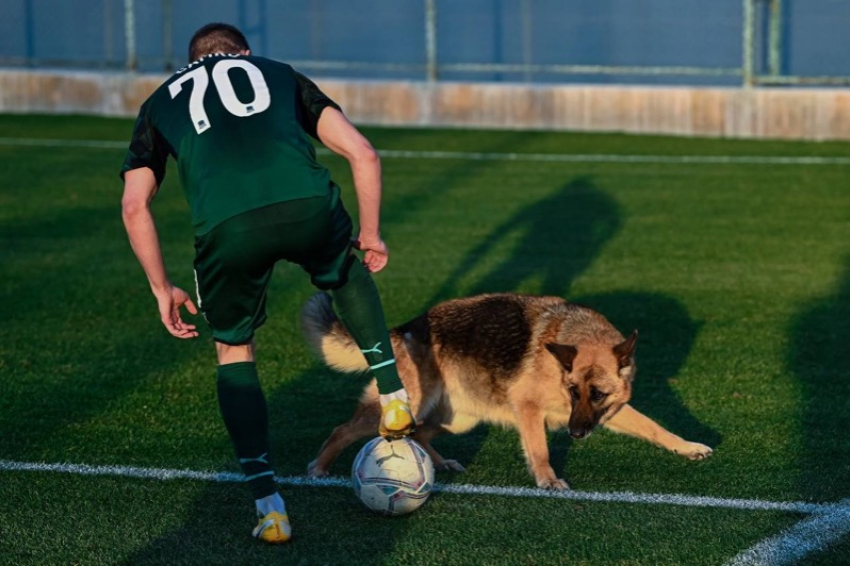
{"points": [[392, 477]]}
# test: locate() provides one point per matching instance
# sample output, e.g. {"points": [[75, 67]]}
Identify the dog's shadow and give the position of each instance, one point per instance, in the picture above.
{"points": [[559, 238], [818, 358], [667, 335]]}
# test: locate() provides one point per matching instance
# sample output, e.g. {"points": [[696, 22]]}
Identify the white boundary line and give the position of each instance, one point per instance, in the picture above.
{"points": [[826, 524], [521, 157], [815, 533], [162, 474], [618, 158]]}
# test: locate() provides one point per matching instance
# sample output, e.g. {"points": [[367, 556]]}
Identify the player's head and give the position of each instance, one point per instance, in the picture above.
{"points": [[217, 38]]}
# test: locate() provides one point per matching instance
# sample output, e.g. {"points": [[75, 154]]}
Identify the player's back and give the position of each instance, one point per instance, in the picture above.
{"points": [[238, 127]]}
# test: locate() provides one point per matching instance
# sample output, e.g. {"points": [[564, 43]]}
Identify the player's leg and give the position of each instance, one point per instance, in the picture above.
{"points": [[333, 267], [232, 275], [359, 308], [243, 409]]}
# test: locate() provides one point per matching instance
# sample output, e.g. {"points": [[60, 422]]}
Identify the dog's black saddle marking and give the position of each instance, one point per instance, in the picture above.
{"points": [[493, 331]]}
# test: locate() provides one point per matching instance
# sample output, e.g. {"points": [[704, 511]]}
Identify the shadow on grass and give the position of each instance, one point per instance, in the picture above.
{"points": [[667, 335], [329, 523], [818, 356], [63, 362], [559, 239], [329, 528]]}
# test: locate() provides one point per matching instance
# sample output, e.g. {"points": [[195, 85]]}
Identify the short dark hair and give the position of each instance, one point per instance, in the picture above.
{"points": [[216, 38]]}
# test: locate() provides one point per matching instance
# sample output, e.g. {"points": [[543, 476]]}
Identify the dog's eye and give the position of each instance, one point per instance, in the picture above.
{"points": [[574, 393], [596, 395]]}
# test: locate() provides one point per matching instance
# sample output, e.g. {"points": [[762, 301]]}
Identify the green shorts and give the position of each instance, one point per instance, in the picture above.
{"points": [[235, 260]]}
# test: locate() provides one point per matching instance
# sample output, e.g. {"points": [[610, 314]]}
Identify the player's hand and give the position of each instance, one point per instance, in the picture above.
{"points": [[376, 254], [170, 300]]}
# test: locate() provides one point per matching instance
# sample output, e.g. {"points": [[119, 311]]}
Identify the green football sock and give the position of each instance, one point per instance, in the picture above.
{"points": [[360, 310], [243, 408]]}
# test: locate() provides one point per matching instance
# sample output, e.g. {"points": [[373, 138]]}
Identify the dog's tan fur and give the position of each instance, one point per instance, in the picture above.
{"points": [[526, 362]]}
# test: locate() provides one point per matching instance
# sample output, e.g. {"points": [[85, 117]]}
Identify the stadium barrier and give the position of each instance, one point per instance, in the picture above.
{"points": [[788, 113]]}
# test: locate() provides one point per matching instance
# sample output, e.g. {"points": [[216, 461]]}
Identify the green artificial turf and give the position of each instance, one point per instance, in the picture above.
{"points": [[736, 276]]}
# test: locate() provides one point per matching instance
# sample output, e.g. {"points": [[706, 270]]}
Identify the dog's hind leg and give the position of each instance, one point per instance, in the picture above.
{"points": [[364, 423], [423, 435], [634, 423]]}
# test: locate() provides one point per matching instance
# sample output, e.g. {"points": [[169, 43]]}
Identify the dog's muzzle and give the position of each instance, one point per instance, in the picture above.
{"points": [[579, 433]]}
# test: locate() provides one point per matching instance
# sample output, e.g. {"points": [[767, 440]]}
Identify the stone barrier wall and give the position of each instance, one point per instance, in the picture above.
{"points": [[780, 113]]}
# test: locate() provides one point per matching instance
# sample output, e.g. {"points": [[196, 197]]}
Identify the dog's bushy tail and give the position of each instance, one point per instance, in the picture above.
{"points": [[328, 337]]}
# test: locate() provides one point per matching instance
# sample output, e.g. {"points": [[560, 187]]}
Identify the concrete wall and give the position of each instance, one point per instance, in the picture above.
{"points": [[813, 114]]}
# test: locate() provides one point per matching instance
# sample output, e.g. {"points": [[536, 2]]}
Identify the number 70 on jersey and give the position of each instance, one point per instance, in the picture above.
{"points": [[221, 78]]}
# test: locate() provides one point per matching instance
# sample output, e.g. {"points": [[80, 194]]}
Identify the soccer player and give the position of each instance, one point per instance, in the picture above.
{"points": [[238, 126]]}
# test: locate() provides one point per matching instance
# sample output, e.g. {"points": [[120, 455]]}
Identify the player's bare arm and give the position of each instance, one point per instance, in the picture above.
{"points": [[140, 187], [341, 137]]}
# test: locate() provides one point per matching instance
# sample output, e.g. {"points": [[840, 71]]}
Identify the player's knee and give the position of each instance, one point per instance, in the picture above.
{"points": [[234, 353], [336, 278]]}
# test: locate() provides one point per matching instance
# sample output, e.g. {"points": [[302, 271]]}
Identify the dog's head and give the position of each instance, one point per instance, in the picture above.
{"points": [[597, 379]]}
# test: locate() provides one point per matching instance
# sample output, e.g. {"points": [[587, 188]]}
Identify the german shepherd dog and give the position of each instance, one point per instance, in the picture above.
{"points": [[527, 362]]}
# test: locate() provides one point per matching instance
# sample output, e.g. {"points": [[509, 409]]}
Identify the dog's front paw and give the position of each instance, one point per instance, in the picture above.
{"points": [[449, 466], [555, 484], [314, 471], [694, 451]]}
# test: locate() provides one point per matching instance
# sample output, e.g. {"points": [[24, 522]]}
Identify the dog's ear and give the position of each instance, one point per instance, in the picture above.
{"points": [[625, 351], [564, 354]]}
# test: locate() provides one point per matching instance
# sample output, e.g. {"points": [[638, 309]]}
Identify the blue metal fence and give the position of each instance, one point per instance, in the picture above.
{"points": [[727, 42]]}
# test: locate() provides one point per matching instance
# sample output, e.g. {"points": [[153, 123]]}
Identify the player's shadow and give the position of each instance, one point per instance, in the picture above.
{"points": [[218, 522], [558, 238], [818, 356]]}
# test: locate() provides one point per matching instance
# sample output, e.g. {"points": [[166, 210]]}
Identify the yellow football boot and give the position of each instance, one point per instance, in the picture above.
{"points": [[274, 528], [396, 420]]}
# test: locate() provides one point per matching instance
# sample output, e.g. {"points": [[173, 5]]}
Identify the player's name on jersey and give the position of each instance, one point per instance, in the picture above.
{"points": [[202, 59]]}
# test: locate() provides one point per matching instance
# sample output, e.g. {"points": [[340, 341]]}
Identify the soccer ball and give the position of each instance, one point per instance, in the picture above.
{"points": [[392, 477]]}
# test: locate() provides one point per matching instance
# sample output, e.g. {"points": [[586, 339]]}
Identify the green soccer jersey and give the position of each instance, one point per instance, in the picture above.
{"points": [[238, 127]]}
